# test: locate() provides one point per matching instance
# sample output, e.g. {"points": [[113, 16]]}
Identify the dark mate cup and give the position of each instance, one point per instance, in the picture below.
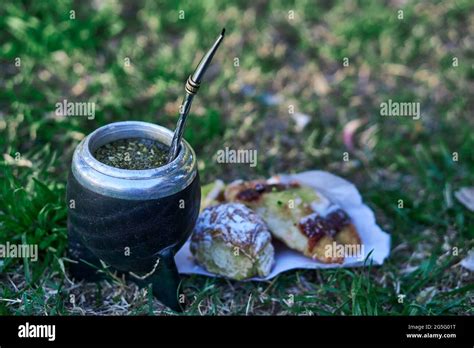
{"points": [[133, 220]]}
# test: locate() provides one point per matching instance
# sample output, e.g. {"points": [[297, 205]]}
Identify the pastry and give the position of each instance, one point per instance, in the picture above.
{"points": [[231, 240], [305, 220]]}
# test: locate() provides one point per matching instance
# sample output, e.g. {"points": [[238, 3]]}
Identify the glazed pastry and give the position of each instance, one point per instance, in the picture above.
{"points": [[231, 240], [303, 219]]}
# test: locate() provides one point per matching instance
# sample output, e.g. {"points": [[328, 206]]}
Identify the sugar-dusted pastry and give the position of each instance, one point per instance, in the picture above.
{"points": [[303, 219], [231, 240]]}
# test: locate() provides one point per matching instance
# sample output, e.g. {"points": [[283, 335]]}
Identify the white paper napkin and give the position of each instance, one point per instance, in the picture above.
{"points": [[339, 191]]}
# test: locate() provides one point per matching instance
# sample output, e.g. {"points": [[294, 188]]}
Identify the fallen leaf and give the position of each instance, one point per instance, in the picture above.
{"points": [[465, 195], [426, 295], [348, 132], [20, 162], [301, 120], [468, 261]]}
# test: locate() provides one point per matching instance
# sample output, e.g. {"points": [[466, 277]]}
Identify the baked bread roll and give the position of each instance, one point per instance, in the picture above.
{"points": [[231, 240], [304, 220]]}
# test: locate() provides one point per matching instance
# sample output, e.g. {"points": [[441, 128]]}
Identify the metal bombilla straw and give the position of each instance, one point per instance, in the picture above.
{"points": [[192, 86]]}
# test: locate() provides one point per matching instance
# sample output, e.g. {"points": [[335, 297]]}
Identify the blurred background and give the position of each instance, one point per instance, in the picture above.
{"points": [[299, 81]]}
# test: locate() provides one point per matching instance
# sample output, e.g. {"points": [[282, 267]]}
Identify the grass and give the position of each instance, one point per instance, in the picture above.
{"points": [[298, 60]]}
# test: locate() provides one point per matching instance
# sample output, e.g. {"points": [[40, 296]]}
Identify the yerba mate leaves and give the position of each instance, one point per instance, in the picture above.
{"points": [[133, 153]]}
